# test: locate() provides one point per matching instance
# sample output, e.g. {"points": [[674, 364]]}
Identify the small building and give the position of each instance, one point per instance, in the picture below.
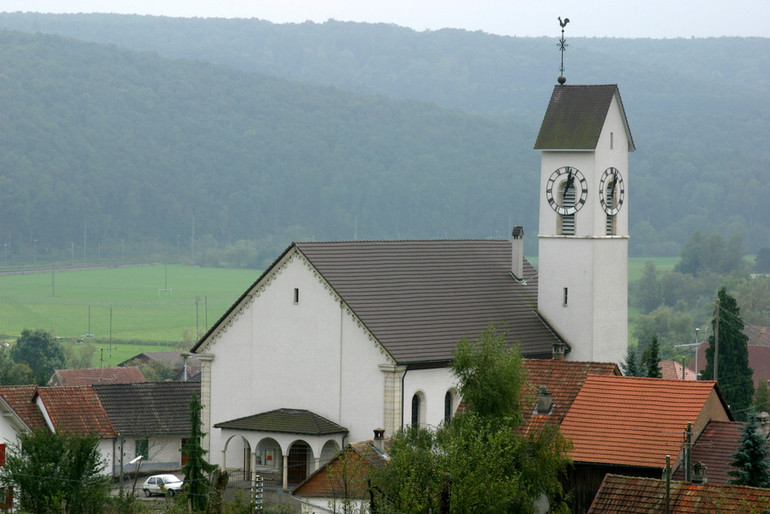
{"points": [[90, 376]]}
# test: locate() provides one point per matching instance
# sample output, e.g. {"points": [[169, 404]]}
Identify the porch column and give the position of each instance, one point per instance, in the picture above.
{"points": [[286, 472], [391, 415], [317, 463], [224, 460]]}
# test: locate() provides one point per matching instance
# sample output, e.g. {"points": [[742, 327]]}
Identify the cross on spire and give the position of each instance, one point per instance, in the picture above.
{"points": [[562, 48]]}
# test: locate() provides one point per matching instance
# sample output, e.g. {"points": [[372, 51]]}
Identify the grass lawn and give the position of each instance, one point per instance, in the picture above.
{"points": [[139, 304]]}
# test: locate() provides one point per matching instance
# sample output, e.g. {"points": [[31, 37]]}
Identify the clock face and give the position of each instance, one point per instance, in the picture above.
{"points": [[612, 191], [566, 190]]}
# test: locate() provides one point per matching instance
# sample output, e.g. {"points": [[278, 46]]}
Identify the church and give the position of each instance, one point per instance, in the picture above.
{"points": [[337, 339]]}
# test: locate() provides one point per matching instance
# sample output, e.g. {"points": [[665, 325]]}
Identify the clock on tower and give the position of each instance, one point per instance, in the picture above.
{"points": [[583, 232]]}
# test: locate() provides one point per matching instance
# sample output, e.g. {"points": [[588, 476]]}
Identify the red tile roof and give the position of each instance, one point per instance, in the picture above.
{"points": [[75, 409], [715, 447], [90, 376], [563, 379], [19, 398], [634, 495], [672, 370], [362, 457], [635, 421]]}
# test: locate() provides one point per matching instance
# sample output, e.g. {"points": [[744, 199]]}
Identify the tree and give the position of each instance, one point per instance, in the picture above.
{"points": [[13, 373], [733, 359], [711, 254], [49, 470], [650, 362], [761, 397], [38, 350], [751, 461], [196, 481], [631, 367], [762, 264], [480, 461], [648, 293]]}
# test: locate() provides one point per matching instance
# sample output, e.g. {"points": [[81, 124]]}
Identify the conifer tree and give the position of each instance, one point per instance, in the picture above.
{"points": [[751, 462], [735, 376], [196, 471], [650, 363], [761, 397], [631, 366]]}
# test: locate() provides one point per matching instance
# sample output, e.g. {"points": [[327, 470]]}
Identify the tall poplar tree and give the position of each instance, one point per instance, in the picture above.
{"points": [[734, 378]]}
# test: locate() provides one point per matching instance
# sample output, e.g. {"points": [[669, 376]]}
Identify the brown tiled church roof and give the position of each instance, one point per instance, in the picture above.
{"points": [[289, 421], [89, 376], [420, 298]]}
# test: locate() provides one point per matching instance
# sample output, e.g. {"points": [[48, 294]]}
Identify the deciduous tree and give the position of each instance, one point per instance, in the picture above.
{"points": [[38, 350], [480, 462], [56, 472]]}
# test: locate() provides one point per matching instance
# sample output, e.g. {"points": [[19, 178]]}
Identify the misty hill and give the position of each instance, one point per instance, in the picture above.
{"points": [[697, 107], [131, 147]]}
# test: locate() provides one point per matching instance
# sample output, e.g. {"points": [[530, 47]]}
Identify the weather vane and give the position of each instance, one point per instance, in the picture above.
{"points": [[562, 48]]}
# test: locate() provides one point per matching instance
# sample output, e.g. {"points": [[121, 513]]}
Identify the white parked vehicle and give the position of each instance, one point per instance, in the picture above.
{"points": [[161, 484]]}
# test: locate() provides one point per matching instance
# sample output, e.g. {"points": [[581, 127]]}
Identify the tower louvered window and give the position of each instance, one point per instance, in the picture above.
{"points": [[566, 222], [611, 223]]}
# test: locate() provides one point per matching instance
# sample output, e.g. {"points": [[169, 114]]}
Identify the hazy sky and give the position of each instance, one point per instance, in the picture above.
{"points": [[615, 18]]}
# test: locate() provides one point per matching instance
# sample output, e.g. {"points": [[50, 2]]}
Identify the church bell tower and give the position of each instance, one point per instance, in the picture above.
{"points": [[583, 231]]}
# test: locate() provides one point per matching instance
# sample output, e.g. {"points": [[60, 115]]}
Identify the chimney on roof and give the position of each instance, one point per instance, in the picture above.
{"points": [[699, 473], [764, 423], [379, 438], [517, 252], [558, 351], [544, 403]]}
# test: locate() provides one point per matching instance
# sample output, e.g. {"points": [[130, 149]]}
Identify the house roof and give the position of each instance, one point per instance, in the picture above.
{"points": [[75, 409], [88, 376], [563, 379], [149, 408], [633, 421], [715, 447], [633, 495], [575, 117], [420, 298], [673, 370], [758, 336], [19, 398], [288, 421], [172, 360], [759, 358], [327, 481]]}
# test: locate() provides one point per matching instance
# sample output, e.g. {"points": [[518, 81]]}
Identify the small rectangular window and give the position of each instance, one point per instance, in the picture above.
{"points": [[566, 296], [296, 295], [142, 448], [612, 140]]}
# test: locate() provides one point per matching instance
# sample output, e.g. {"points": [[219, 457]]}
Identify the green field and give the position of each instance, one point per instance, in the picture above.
{"points": [[149, 304]]}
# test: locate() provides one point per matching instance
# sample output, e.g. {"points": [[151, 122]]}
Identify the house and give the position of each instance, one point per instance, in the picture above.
{"points": [[89, 376], [77, 410], [149, 419], [628, 425], [714, 449], [359, 334], [185, 364], [636, 495], [672, 370], [152, 420], [343, 482], [758, 346], [554, 386]]}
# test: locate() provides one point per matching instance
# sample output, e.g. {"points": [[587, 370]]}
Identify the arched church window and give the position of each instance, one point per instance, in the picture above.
{"points": [[448, 402], [417, 408]]}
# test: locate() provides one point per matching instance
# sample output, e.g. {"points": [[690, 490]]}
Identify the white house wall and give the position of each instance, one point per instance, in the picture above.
{"points": [[313, 355]]}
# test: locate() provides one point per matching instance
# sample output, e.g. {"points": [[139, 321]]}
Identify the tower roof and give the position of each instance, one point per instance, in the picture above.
{"points": [[575, 117]]}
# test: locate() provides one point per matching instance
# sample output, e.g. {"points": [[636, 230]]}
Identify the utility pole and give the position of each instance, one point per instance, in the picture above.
{"points": [[716, 343]]}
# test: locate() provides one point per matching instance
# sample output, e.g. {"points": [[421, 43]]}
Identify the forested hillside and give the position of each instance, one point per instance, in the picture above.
{"points": [[112, 147], [697, 109]]}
